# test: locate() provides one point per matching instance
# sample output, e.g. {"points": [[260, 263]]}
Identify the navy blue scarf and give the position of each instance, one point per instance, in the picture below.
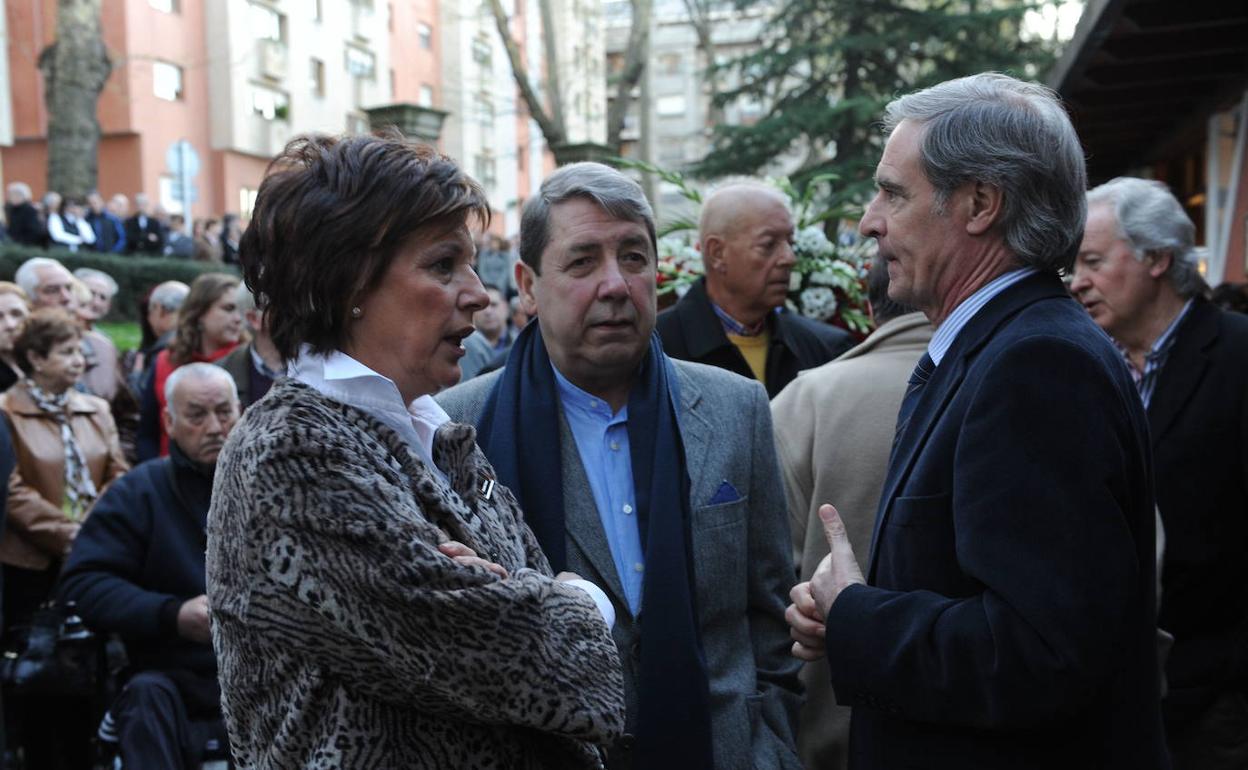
{"points": [[519, 433]]}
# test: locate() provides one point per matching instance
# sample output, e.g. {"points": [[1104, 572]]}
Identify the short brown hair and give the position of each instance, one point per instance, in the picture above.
{"points": [[205, 291], [43, 330], [330, 216]]}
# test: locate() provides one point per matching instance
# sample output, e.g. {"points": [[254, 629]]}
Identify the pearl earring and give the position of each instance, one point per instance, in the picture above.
{"points": [[356, 312]]}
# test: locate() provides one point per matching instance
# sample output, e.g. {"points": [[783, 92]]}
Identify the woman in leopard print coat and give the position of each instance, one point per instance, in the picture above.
{"points": [[348, 633]]}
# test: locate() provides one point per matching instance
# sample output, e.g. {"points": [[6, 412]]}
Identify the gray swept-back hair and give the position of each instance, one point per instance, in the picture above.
{"points": [[1015, 136], [1150, 219], [618, 195]]}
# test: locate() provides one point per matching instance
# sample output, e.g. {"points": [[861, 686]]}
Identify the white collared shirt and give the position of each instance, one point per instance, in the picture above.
{"points": [[344, 379]]}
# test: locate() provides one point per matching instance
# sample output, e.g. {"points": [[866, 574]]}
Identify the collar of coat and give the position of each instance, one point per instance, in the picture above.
{"points": [[20, 402]]}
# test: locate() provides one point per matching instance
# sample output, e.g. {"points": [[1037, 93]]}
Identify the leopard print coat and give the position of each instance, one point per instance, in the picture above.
{"points": [[346, 640]]}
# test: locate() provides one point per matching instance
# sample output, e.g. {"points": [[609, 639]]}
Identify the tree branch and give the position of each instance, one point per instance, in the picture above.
{"points": [[634, 65], [553, 130]]}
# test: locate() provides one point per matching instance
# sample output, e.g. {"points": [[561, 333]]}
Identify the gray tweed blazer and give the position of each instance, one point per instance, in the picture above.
{"points": [[742, 561]]}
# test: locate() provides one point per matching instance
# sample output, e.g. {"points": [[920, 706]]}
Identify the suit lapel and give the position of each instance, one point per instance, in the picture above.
{"points": [[1184, 369], [944, 383], [582, 520], [695, 431]]}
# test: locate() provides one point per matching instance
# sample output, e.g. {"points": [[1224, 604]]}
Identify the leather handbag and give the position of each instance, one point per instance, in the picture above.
{"points": [[58, 656]]}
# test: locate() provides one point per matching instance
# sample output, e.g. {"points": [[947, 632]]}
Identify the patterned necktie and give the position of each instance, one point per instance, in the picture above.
{"points": [[922, 373]]}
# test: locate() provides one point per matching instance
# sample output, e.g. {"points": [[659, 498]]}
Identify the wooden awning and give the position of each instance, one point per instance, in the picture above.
{"points": [[1142, 77]]}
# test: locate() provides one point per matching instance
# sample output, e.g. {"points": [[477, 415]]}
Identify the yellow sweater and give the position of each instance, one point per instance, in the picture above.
{"points": [[754, 349]]}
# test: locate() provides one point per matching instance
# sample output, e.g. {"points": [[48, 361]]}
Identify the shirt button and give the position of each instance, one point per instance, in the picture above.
{"points": [[615, 446], [639, 567], [628, 508]]}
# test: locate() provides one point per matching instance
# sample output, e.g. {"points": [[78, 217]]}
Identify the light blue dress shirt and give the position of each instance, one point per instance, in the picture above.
{"points": [[943, 339], [602, 442]]}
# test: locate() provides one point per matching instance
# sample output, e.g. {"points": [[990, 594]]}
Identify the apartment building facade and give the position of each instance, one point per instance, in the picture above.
{"points": [[233, 79], [489, 129], [675, 129]]}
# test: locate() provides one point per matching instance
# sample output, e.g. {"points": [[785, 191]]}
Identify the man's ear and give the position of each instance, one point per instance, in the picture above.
{"points": [[167, 419], [1159, 262], [525, 278], [712, 248], [984, 203]]}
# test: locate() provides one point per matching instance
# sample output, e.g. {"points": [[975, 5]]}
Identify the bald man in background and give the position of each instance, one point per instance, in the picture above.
{"points": [[734, 317]]}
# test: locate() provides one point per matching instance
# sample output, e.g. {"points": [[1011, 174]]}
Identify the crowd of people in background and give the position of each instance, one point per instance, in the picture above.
{"points": [[1035, 558], [111, 227]]}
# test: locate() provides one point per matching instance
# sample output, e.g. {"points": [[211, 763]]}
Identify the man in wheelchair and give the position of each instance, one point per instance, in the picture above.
{"points": [[137, 570]]}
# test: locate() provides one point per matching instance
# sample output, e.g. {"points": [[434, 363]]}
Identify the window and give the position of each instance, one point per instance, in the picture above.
{"points": [[168, 6], [481, 52], [669, 106], [269, 103], [485, 169], [166, 81], [357, 123], [669, 64], [266, 23], [247, 201], [316, 76], [426, 96], [360, 63], [314, 10], [424, 33], [485, 111]]}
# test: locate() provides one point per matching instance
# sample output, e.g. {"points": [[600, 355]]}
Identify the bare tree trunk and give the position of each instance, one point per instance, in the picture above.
{"points": [[635, 55], [551, 124], [700, 18], [74, 68], [549, 116], [554, 86]]}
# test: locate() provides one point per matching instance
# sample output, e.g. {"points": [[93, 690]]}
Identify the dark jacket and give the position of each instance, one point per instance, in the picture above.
{"points": [[139, 556], [148, 240], [1009, 620], [25, 226], [692, 332], [110, 233], [1198, 419], [252, 384], [8, 461]]}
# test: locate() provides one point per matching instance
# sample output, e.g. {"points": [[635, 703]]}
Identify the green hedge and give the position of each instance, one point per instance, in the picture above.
{"points": [[134, 275]]}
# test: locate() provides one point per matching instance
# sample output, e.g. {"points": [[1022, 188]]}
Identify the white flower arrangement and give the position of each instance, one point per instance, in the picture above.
{"points": [[828, 283], [818, 302]]}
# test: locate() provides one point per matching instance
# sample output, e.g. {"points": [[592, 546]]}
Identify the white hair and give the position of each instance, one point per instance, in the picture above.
{"points": [[196, 371], [169, 296], [1150, 219], [85, 274], [27, 275], [20, 188]]}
